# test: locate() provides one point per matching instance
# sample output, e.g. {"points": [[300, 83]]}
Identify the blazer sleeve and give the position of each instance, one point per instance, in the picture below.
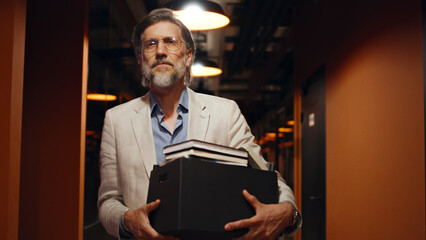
{"points": [[110, 199], [240, 136]]}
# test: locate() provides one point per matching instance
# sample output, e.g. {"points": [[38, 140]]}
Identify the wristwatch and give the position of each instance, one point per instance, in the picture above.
{"points": [[295, 222]]}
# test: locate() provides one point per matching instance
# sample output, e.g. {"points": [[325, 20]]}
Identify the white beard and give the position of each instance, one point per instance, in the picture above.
{"points": [[162, 77]]}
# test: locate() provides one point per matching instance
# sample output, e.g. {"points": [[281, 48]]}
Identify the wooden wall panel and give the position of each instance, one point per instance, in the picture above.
{"points": [[12, 43], [53, 126], [375, 143]]}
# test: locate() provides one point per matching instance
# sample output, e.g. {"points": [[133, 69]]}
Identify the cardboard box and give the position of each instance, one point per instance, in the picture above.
{"points": [[198, 197]]}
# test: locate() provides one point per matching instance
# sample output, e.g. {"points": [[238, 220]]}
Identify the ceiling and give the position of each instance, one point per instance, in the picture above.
{"points": [[254, 50]]}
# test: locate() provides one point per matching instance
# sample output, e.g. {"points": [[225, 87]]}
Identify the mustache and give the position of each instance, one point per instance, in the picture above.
{"points": [[161, 62]]}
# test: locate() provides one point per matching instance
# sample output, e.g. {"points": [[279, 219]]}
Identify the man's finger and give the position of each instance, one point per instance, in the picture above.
{"points": [[245, 223], [152, 206], [251, 199]]}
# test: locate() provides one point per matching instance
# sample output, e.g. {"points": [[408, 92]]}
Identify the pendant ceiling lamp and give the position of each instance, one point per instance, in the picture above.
{"points": [[101, 97], [199, 15], [205, 68]]}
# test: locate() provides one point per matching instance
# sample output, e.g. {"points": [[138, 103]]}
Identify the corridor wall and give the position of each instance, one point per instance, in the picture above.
{"points": [[375, 142]]}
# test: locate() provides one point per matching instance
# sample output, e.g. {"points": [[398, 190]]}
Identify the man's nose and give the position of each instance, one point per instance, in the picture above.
{"points": [[161, 48]]}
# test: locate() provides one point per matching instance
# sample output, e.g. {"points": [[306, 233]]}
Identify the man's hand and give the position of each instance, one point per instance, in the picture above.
{"points": [[137, 222], [270, 219]]}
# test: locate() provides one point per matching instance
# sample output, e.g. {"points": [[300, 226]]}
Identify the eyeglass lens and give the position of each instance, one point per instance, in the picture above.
{"points": [[171, 44]]}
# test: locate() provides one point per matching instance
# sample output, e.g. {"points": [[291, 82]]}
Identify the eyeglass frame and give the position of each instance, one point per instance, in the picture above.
{"points": [[157, 41]]}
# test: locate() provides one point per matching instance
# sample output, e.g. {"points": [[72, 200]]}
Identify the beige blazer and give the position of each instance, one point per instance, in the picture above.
{"points": [[128, 151]]}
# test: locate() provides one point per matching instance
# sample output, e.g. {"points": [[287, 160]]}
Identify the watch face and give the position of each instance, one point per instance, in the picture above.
{"points": [[295, 217], [294, 223]]}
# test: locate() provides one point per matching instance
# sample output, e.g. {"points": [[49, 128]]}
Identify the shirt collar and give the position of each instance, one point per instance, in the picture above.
{"points": [[183, 101]]}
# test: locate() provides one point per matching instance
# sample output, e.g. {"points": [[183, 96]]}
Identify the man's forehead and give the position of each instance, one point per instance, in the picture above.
{"points": [[163, 29]]}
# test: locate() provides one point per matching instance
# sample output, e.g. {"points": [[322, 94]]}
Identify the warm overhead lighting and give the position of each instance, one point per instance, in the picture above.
{"points": [[285, 130], [290, 122], [205, 68], [101, 97], [269, 138], [90, 132], [199, 15], [270, 135]]}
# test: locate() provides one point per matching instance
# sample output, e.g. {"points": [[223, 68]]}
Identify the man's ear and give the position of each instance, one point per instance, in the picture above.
{"points": [[139, 56], [188, 61]]}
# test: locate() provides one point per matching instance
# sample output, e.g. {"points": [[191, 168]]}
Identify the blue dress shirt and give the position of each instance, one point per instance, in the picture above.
{"points": [[162, 136]]}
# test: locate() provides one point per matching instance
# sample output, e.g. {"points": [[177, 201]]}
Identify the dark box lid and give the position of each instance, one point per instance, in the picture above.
{"points": [[198, 197]]}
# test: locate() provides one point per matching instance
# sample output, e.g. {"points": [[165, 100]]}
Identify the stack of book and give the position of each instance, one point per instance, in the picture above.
{"points": [[207, 151]]}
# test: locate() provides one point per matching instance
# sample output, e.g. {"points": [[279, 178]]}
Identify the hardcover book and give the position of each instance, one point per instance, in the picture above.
{"points": [[205, 146], [208, 156]]}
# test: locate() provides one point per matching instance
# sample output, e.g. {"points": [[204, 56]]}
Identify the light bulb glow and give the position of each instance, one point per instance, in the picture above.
{"points": [[101, 97], [193, 9], [197, 20], [285, 130], [199, 70], [290, 122]]}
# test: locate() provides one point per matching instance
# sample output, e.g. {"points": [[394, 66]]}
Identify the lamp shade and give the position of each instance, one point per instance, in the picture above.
{"points": [[101, 97], [199, 15], [205, 68]]}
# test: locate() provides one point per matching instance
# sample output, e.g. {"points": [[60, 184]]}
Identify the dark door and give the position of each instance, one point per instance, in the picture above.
{"points": [[313, 157]]}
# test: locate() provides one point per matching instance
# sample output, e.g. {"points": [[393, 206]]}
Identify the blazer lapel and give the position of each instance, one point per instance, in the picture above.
{"points": [[141, 123], [198, 120]]}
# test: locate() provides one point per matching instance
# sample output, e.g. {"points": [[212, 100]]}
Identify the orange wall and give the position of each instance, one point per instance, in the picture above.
{"points": [[53, 123], [375, 155], [12, 42]]}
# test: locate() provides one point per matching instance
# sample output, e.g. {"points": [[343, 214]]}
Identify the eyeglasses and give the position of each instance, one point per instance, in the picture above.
{"points": [[170, 43]]}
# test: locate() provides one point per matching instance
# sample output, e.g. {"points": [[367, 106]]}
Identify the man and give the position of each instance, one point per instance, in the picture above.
{"points": [[135, 132]]}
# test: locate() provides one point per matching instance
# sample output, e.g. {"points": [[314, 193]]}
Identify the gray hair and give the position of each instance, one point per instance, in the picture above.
{"points": [[159, 15]]}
